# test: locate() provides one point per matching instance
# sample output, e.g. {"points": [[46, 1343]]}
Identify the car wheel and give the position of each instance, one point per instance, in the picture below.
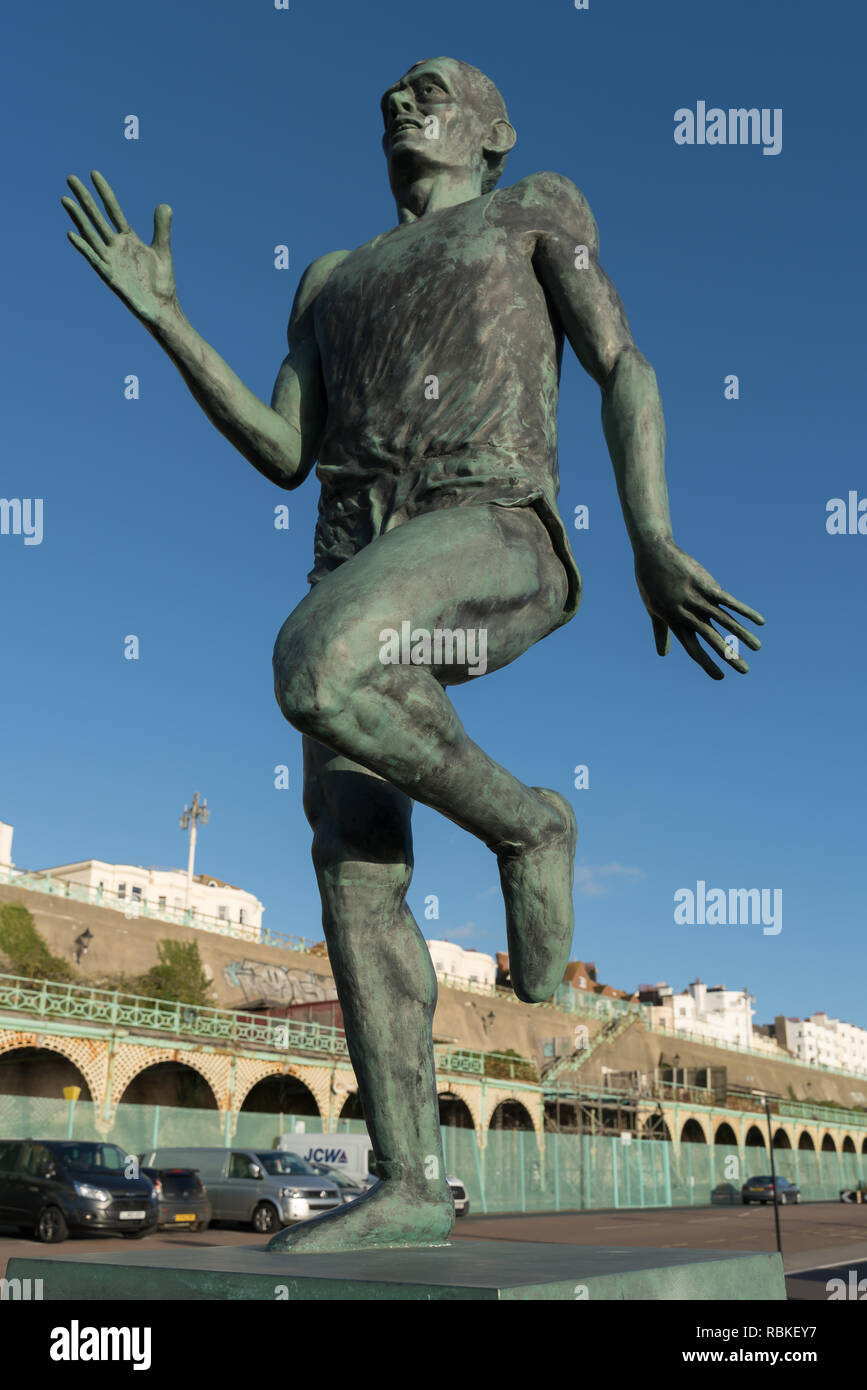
{"points": [[51, 1227], [265, 1219], [746, 1201], [201, 1225]]}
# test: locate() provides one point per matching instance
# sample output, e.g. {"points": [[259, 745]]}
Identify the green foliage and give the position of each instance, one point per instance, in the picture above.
{"points": [[510, 1065], [24, 950], [179, 975]]}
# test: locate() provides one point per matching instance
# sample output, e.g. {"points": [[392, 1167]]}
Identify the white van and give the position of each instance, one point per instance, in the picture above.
{"points": [[348, 1153], [352, 1154]]}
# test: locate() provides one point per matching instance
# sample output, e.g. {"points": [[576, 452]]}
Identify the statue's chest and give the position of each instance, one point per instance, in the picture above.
{"points": [[413, 272]]}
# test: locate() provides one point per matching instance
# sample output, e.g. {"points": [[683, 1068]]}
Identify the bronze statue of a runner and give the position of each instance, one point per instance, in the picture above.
{"points": [[422, 379]]}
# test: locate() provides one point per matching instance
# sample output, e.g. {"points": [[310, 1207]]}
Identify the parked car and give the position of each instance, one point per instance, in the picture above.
{"points": [[267, 1188], [762, 1190], [51, 1187], [349, 1188], [725, 1194], [182, 1198], [858, 1193], [459, 1192]]}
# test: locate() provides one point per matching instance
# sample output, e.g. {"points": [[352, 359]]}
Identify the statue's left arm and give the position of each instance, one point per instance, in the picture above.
{"points": [[679, 594]]}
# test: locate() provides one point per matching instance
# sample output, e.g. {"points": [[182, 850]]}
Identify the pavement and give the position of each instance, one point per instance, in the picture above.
{"points": [[822, 1241]]}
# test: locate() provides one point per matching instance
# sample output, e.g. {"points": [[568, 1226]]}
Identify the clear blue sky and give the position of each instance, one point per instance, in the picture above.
{"points": [[262, 127]]}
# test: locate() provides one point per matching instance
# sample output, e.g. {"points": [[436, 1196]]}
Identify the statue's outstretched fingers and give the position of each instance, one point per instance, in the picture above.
{"points": [[112, 206], [719, 645], [661, 636], [693, 648], [722, 619], [719, 596], [86, 229], [88, 202], [88, 253]]}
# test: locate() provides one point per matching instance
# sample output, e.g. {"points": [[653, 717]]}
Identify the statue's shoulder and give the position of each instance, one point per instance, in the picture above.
{"points": [[550, 202], [309, 286]]}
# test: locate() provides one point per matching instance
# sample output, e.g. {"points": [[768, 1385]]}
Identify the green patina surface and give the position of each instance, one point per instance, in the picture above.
{"points": [[422, 380], [490, 1271]]}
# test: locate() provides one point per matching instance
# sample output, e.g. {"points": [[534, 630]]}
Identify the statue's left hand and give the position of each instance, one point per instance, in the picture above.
{"points": [[141, 275], [681, 597]]}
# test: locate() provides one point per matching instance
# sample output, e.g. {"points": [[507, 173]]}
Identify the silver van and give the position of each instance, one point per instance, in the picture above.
{"points": [[266, 1187]]}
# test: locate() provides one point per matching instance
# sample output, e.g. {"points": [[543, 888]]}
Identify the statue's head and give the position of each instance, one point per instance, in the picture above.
{"points": [[471, 131]]}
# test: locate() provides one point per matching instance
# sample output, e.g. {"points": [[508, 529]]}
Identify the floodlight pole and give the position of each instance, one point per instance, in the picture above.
{"points": [[767, 1100], [198, 811]]}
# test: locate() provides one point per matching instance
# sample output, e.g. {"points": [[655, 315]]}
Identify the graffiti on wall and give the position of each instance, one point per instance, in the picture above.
{"points": [[278, 983]]}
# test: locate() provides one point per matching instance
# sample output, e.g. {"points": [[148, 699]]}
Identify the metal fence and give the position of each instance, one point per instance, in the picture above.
{"points": [[512, 1172]]}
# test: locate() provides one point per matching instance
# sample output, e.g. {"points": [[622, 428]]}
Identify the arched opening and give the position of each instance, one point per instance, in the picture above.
{"points": [[454, 1112], [726, 1135], [352, 1107], [864, 1145], [561, 1116], [37, 1071], [692, 1133], [172, 1084], [511, 1114], [782, 1140], [828, 1145], [654, 1127], [805, 1143], [849, 1145], [755, 1139], [281, 1095]]}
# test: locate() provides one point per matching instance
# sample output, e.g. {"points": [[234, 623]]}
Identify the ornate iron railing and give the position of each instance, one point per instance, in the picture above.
{"points": [[75, 1002]]}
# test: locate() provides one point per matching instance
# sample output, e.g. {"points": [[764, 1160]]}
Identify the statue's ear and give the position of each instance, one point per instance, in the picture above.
{"points": [[501, 138]]}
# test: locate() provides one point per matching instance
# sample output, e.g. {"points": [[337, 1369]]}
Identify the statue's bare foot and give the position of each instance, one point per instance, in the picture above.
{"points": [[540, 918], [391, 1216]]}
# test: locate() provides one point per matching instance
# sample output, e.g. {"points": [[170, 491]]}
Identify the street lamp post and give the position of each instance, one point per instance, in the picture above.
{"points": [[193, 815]]}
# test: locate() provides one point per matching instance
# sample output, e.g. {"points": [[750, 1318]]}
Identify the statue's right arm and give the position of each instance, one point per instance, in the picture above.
{"points": [[280, 440]]}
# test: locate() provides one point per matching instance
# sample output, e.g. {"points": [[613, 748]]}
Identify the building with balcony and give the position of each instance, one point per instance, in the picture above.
{"points": [[457, 963], [163, 893], [826, 1041]]}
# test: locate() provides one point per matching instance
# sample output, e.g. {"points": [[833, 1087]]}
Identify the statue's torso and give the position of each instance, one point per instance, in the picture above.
{"points": [[441, 366]]}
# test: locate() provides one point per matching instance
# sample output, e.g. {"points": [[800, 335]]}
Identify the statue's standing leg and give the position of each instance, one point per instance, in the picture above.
{"points": [[362, 851]]}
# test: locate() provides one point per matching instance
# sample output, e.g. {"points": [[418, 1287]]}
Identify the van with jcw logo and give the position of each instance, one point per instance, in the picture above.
{"points": [[352, 1154]]}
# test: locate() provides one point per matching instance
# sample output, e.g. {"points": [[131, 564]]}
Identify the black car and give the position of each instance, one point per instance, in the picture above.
{"points": [[51, 1187], [182, 1198], [762, 1190], [725, 1194], [858, 1193]]}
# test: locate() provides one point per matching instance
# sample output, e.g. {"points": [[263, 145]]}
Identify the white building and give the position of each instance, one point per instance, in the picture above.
{"points": [[163, 893], [825, 1041], [713, 1012], [453, 962]]}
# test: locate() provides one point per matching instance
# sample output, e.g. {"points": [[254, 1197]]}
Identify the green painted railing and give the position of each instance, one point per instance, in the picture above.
{"points": [[825, 1114], [50, 999], [460, 1059]]}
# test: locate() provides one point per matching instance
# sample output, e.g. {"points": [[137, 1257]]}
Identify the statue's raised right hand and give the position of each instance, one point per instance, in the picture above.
{"points": [[142, 276]]}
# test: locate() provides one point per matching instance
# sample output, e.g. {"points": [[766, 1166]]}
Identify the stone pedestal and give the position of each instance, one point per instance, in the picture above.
{"points": [[492, 1270]]}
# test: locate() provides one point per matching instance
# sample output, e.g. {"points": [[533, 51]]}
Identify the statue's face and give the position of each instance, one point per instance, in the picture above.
{"points": [[415, 145]]}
